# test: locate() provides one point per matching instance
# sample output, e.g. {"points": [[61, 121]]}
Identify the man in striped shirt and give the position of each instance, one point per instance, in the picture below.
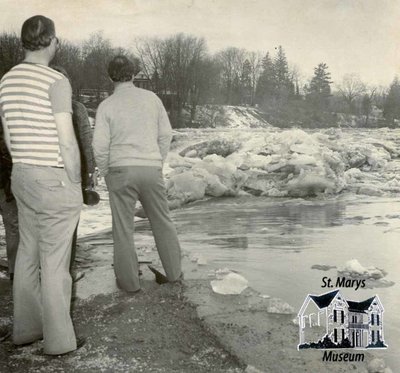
{"points": [[35, 106]]}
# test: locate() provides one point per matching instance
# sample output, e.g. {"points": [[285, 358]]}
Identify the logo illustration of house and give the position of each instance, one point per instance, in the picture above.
{"points": [[330, 321]]}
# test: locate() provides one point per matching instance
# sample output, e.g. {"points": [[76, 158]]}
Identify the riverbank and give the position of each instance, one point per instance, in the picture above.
{"points": [[170, 328], [153, 331]]}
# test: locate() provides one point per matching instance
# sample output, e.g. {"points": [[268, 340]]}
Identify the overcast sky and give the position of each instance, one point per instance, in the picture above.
{"points": [[351, 36]]}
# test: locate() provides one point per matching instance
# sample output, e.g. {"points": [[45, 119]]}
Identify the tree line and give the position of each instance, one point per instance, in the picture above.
{"points": [[184, 74]]}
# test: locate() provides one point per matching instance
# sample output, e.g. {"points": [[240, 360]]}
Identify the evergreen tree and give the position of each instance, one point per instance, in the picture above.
{"points": [[285, 88], [266, 85], [281, 68], [319, 90], [245, 84], [391, 108]]}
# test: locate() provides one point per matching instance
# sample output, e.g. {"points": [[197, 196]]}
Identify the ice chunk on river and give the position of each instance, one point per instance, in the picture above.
{"points": [[186, 187], [232, 283], [354, 268]]}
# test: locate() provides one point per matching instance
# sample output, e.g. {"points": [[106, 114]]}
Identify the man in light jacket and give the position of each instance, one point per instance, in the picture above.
{"points": [[131, 141]]}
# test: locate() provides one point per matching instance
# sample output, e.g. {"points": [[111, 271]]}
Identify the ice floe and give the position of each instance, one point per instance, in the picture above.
{"points": [[231, 283], [373, 276]]}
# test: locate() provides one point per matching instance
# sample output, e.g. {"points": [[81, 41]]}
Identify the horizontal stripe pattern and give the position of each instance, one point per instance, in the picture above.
{"points": [[26, 107], [26, 97], [25, 103]]}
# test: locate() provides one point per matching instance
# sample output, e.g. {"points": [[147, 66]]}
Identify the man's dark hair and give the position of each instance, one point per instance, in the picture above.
{"points": [[120, 69], [37, 33]]}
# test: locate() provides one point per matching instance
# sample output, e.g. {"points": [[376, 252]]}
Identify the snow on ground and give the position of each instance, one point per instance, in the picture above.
{"points": [[229, 116]]}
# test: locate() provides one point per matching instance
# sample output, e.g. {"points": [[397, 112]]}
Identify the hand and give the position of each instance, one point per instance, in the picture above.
{"points": [[92, 180]]}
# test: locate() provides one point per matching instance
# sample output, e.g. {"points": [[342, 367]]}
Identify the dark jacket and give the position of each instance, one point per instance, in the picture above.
{"points": [[84, 136], [5, 167]]}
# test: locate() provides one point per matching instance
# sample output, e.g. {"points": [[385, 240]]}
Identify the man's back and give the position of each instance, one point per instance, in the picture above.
{"points": [[133, 127], [29, 95]]}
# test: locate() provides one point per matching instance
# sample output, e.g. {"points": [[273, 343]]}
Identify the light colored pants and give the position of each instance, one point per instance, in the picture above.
{"points": [[126, 185], [48, 211], [9, 212]]}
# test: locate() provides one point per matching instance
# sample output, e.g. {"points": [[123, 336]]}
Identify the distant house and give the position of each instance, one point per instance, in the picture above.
{"points": [[141, 80], [331, 315]]}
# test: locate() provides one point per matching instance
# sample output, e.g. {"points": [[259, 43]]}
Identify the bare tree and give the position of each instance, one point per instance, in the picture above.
{"points": [[367, 102], [154, 63], [255, 60], [351, 88], [231, 61], [296, 77], [174, 66], [96, 52]]}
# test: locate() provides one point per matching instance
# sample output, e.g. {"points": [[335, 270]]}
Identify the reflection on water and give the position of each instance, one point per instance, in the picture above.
{"points": [[275, 244], [256, 223], [240, 242]]}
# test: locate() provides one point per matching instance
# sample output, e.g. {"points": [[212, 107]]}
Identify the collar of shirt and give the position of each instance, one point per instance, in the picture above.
{"points": [[124, 85]]}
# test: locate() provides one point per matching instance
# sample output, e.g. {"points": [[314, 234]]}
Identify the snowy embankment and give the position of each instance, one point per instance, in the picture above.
{"points": [[220, 116], [275, 163]]}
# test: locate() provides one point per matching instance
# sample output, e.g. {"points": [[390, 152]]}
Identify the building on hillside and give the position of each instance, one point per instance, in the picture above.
{"points": [[341, 320], [141, 80]]}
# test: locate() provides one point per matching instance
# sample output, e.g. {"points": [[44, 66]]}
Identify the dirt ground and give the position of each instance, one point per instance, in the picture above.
{"points": [[152, 331]]}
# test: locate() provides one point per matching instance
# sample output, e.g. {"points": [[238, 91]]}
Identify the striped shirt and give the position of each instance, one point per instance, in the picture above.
{"points": [[30, 95]]}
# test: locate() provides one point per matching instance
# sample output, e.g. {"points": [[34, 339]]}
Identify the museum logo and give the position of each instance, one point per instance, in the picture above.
{"points": [[330, 321]]}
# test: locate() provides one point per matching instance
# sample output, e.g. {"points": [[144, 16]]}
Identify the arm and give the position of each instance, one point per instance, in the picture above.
{"points": [[101, 141], [164, 131], [61, 101], [68, 146]]}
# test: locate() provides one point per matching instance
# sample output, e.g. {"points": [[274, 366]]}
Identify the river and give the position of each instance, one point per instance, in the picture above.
{"points": [[274, 244]]}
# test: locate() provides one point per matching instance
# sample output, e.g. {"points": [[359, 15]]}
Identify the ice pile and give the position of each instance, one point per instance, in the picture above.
{"points": [[276, 163]]}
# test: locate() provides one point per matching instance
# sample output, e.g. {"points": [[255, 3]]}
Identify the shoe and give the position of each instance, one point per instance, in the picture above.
{"points": [[160, 278]]}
